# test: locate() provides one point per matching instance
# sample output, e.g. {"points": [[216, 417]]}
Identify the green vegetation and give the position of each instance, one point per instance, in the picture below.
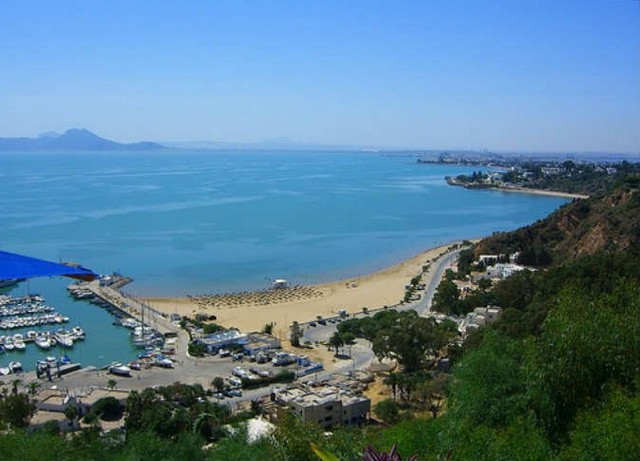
{"points": [[403, 336], [607, 222], [283, 376], [575, 178]]}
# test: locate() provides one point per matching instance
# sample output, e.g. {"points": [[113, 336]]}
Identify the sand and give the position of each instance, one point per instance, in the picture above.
{"points": [[385, 287], [550, 193]]}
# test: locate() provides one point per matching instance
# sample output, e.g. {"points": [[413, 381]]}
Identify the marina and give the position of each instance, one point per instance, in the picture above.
{"points": [[35, 329]]}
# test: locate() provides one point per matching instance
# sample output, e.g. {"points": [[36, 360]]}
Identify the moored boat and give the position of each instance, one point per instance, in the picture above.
{"points": [[18, 343], [43, 342], [64, 338], [77, 333]]}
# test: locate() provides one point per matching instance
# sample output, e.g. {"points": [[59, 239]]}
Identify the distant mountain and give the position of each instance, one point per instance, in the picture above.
{"points": [[75, 139]]}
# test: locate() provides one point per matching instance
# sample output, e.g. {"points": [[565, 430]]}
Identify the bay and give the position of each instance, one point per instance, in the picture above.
{"points": [[201, 222]]}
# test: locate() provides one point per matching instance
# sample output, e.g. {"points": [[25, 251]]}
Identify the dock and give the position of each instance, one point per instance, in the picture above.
{"points": [[129, 305]]}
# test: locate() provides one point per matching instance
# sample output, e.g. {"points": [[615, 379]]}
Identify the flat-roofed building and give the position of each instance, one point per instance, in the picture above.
{"points": [[216, 341], [326, 405]]}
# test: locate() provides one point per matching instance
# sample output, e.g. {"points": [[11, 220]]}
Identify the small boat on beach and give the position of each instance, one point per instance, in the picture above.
{"points": [[15, 367], [119, 369]]}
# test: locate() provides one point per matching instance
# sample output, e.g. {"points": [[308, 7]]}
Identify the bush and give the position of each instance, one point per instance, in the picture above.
{"points": [[107, 408], [388, 411], [285, 376], [197, 349]]}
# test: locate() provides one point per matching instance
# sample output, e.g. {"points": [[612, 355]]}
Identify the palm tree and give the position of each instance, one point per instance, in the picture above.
{"points": [[32, 387], [111, 384], [336, 341], [14, 386]]}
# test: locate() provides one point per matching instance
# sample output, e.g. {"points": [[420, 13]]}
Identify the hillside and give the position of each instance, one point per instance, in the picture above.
{"points": [[74, 139], [608, 222]]}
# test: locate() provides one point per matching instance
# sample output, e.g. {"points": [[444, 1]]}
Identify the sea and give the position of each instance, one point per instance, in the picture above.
{"points": [[182, 222]]}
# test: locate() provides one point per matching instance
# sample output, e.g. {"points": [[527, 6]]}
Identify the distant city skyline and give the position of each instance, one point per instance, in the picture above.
{"points": [[504, 76]]}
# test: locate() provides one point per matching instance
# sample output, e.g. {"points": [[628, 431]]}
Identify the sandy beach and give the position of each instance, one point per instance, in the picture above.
{"points": [[549, 193], [385, 287]]}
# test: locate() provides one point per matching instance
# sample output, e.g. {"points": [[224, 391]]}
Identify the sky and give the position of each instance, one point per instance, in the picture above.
{"points": [[540, 75]]}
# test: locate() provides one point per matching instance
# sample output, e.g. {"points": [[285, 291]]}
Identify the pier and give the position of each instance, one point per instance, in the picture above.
{"points": [[127, 304]]}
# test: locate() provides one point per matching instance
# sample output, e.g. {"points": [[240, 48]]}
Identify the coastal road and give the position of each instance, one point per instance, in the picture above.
{"points": [[361, 355], [423, 306], [322, 333]]}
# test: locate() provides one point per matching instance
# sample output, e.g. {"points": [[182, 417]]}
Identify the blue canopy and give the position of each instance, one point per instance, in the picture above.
{"points": [[14, 266]]}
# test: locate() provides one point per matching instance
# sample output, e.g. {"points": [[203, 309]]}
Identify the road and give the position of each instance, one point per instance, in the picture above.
{"points": [[361, 354], [322, 333]]}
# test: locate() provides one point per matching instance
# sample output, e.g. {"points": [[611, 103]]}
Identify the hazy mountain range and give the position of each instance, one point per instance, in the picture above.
{"points": [[80, 139], [75, 139]]}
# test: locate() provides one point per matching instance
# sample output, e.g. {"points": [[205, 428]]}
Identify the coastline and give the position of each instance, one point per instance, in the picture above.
{"points": [[519, 190], [549, 193], [383, 287]]}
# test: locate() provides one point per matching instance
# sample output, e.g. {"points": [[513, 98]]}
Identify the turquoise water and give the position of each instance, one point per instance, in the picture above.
{"points": [[190, 223]]}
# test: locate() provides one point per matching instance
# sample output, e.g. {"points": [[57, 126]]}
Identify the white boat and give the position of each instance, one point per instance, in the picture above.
{"points": [[4, 371], [18, 343], [8, 343], [77, 333], [163, 362], [64, 338], [119, 369], [15, 366], [43, 342]]}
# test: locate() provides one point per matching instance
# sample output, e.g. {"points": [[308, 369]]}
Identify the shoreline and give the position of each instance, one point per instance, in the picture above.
{"points": [[549, 193], [373, 290], [519, 190]]}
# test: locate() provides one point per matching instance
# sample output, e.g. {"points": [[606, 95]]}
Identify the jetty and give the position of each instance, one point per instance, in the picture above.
{"points": [[108, 292]]}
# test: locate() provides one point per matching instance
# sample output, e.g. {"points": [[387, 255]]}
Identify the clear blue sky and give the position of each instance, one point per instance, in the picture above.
{"points": [[502, 75]]}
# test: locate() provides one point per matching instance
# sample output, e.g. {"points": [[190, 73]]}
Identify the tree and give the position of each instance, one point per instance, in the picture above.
{"points": [[268, 328], [447, 297], [71, 412], [392, 381], [14, 385], [296, 334], [609, 430], [588, 341], [107, 408], [433, 391], [16, 410], [32, 387], [484, 284], [336, 341], [409, 340], [218, 383], [111, 384]]}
